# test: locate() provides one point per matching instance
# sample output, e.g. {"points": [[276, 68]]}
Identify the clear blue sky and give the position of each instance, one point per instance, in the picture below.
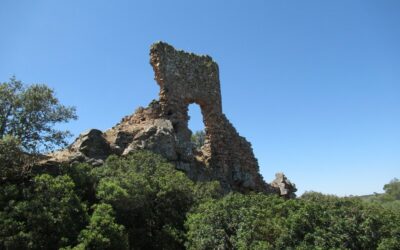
{"points": [[313, 85]]}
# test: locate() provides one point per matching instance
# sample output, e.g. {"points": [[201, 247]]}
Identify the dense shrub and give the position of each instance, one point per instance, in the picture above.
{"points": [[12, 160], [44, 215], [150, 197], [142, 202], [315, 221], [103, 232]]}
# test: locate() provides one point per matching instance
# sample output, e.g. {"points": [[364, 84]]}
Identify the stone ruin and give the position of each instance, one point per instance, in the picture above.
{"points": [[184, 78]]}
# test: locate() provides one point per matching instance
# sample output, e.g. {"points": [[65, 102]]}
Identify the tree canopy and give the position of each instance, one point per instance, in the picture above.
{"points": [[315, 221], [392, 189], [141, 201], [29, 113]]}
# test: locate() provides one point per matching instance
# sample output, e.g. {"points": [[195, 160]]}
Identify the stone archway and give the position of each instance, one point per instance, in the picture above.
{"points": [[162, 128], [186, 78]]}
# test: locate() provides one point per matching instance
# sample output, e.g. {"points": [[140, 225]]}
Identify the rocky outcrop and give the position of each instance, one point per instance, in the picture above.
{"points": [[286, 188], [162, 127]]}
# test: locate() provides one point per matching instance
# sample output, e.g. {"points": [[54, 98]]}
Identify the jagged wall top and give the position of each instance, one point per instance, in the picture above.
{"points": [[185, 77]]}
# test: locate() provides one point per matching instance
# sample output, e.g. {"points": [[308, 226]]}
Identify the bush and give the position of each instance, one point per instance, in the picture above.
{"points": [[12, 160], [150, 197], [103, 232], [29, 114], [142, 202], [45, 215], [316, 221]]}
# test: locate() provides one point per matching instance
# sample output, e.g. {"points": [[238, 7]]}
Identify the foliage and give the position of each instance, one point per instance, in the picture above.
{"points": [[392, 189], [315, 221], [198, 139], [12, 160], [141, 201], [103, 232], [84, 179], [235, 222], [390, 199], [150, 197], [45, 215], [29, 113]]}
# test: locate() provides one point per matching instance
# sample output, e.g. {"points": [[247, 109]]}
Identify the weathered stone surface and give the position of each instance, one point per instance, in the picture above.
{"points": [[157, 137], [162, 127], [92, 144], [185, 78], [284, 186]]}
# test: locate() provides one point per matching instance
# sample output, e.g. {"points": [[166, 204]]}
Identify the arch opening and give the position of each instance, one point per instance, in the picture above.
{"points": [[196, 125]]}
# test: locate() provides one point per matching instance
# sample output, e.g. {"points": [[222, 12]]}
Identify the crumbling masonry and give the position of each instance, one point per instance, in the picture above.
{"points": [[184, 78], [187, 78]]}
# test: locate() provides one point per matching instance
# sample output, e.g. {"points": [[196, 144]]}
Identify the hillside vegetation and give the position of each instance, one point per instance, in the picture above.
{"points": [[143, 202], [389, 199], [140, 201]]}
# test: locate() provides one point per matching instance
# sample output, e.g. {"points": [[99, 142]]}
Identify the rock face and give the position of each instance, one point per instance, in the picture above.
{"points": [[285, 187], [162, 127]]}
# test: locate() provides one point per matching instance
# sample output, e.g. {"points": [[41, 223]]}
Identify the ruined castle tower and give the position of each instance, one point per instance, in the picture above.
{"points": [[162, 127], [186, 78]]}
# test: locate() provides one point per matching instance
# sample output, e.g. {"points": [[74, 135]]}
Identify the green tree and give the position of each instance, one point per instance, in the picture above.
{"points": [[392, 189], [103, 232], [390, 199], [84, 180], [12, 161], [150, 197], [45, 215], [29, 114], [237, 221], [316, 221], [198, 139]]}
